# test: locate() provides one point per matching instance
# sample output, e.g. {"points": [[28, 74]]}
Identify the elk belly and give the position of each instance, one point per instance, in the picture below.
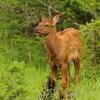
{"points": [[73, 55]]}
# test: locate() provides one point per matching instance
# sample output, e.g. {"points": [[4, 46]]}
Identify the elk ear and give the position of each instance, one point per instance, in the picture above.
{"points": [[43, 17], [56, 18]]}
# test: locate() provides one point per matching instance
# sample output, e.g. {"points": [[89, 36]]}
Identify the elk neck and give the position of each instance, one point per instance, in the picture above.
{"points": [[51, 41], [52, 35]]}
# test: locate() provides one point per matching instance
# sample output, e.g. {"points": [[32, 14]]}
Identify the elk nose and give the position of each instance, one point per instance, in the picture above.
{"points": [[35, 29]]}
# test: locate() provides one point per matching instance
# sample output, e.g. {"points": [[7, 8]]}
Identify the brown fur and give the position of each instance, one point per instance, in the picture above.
{"points": [[62, 47]]}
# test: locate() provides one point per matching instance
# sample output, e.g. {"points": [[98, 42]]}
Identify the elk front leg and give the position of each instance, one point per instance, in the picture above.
{"points": [[52, 79], [64, 81], [48, 91], [65, 76]]}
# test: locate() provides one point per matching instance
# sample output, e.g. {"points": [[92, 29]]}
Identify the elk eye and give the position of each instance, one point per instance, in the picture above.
{"points": [[46, 25]]}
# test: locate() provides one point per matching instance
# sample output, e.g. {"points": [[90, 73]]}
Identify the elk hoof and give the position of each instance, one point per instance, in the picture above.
{"points": [[50, 84], [62, 95]]}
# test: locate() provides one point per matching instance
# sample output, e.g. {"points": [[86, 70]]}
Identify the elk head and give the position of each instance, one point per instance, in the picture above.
{"points": [[46, 25]]}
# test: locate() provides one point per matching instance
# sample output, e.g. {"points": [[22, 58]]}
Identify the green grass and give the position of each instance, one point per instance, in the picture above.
{"points": [[89, 85], [19, 81]]}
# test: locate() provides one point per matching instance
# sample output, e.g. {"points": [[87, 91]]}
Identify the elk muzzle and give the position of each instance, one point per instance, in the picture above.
{"points": [[35, 31]]}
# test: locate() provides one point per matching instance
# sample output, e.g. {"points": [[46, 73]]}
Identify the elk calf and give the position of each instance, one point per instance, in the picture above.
{"points": [[62, 47]]}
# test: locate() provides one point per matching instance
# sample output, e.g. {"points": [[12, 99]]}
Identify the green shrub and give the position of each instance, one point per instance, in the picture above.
{"points": [[90, 42]]}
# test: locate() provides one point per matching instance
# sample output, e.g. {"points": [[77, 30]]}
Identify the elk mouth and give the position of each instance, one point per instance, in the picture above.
{"points": [[36, 33]]}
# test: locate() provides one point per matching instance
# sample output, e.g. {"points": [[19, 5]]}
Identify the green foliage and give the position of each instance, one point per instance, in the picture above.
{"points": [[90, 41], [18, 81], [23, 49]]}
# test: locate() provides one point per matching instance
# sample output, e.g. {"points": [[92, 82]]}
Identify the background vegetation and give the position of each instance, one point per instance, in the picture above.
{"points": [[23, 59]]}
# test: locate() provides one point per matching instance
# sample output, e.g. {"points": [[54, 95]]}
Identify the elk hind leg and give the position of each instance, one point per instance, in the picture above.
{"points": [[77, 70]]}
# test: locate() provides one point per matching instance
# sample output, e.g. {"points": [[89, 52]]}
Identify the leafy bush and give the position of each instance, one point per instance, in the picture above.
{"points": [[90, 42]]}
